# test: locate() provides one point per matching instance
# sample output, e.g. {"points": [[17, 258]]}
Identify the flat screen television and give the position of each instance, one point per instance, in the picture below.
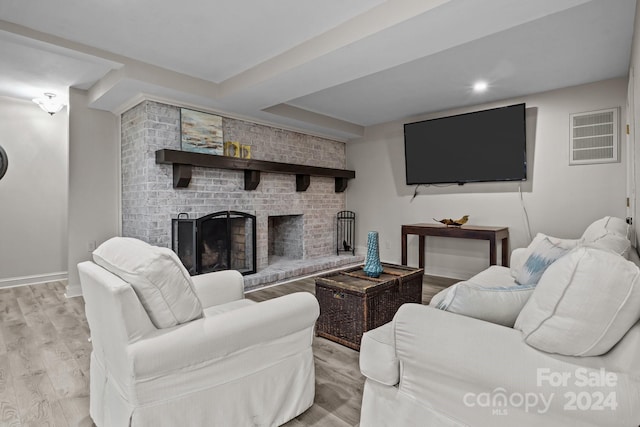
{"points": [[482, 146]]}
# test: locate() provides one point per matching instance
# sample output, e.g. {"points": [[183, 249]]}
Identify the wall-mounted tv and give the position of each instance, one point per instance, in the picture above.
{"points": [[482, 146]]}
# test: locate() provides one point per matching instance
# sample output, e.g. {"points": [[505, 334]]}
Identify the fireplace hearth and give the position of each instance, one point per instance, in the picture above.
{"points": [[223, 240]]}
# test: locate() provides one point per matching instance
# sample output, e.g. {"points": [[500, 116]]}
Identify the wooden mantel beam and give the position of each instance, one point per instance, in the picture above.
{"points": [[252, 168]]}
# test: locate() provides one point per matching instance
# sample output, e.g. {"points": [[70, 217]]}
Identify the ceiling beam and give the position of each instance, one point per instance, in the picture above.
{"points": [[286, 110], [386, 15]]}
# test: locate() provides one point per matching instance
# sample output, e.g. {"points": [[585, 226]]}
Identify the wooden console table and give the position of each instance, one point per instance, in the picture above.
{"points": [[492, 234]]}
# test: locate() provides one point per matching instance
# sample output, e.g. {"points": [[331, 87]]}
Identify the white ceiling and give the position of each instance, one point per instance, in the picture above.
{"points": [[329, 67]]}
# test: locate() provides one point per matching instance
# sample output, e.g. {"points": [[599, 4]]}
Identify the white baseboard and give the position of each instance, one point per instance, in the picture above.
{"points": [[73, 291], [445, 272], [33, 280]]}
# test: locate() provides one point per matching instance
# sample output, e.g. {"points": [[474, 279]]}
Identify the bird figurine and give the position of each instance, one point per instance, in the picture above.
{"points": [[453, 222]]}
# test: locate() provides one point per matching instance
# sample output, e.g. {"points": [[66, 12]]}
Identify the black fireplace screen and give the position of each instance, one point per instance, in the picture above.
{"points": [[218, 241]]}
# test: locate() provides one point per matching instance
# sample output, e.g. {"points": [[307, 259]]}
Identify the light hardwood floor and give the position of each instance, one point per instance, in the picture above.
{"points": [[44, 360]]}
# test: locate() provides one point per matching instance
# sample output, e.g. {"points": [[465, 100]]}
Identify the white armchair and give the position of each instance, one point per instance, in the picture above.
{"points": [[240, 363]]}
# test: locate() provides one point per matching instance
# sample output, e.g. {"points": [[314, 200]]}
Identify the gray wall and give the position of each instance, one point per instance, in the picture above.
{"points": [[633, 94], [94, 180], [561, 200], [33, 194]]}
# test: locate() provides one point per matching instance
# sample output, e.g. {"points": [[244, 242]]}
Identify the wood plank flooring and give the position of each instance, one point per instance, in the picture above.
{"points": [[44, 360], [339, 382]]}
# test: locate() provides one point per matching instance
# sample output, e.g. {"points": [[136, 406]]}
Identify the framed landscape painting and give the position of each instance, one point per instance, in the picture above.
{"points": [[200, 132]]}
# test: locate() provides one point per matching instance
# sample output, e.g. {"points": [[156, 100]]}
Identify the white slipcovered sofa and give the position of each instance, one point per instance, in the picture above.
{"points": [[571, 359], [170, 350]]}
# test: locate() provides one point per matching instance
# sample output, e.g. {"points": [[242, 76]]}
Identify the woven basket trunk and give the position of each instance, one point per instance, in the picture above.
{"points": [[352, 303]]}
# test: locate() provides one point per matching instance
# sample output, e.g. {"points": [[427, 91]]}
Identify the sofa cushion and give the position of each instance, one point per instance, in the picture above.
{"points": [[542, 254], [583, 305], [495, 304], [157, 276], [378, 358], [494, 276]]}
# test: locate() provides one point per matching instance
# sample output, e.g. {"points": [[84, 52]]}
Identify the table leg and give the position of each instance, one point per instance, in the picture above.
{"points": [[505, 252], [421, 251], [493, 259], [403, 247]]}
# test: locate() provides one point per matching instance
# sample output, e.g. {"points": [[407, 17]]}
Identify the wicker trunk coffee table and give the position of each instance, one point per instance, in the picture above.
{"points": [[352, 303]]}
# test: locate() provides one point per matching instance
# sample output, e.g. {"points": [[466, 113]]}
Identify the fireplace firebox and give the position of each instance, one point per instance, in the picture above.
{"points": [[219, 241]]}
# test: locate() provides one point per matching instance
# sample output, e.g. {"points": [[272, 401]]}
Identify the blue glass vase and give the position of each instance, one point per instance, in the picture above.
{"points": [[372, 266]]}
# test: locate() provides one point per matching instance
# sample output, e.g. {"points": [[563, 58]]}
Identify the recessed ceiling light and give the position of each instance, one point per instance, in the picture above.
{"points": [[480, 86]]}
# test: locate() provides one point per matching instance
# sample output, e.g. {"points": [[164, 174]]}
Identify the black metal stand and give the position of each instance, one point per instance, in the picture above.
{"points": [[345, 232]]}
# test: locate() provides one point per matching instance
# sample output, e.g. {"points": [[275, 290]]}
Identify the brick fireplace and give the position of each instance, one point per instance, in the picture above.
{"points": [[149, 201]]}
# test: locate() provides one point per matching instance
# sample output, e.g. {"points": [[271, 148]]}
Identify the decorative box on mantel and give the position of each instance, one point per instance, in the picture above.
{"points": [[183, 161]]}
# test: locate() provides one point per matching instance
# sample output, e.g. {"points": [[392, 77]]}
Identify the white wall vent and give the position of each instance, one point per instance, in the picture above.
{"points": [[594, 137]]}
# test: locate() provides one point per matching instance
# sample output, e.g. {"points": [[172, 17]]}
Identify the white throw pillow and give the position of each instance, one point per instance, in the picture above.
{"points": [[608, 233], [611, 242], [606, 225], [499, 304], [157, 276], [543, 254], [583, 305], [567, 244]]}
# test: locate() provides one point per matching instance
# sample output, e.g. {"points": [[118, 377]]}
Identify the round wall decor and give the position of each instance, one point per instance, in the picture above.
{"points": [[4, 162]]}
